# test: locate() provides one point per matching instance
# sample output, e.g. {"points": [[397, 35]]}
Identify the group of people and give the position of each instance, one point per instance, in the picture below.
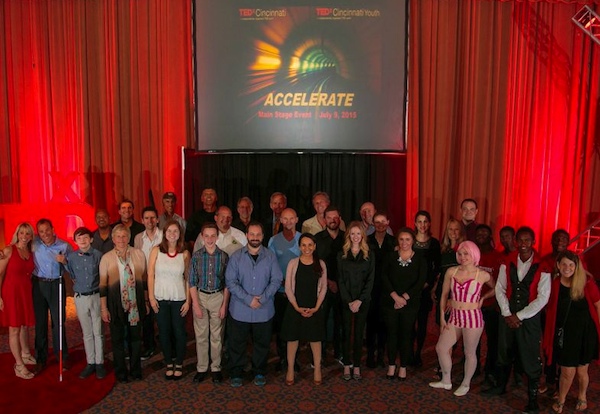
{"points": [[248, 278]]}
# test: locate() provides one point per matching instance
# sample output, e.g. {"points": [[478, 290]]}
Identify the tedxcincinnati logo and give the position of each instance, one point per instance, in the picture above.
{"points": [[331, 12], [262, 13]]}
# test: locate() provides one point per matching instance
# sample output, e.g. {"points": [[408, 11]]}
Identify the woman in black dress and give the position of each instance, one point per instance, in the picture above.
{"points": [[305, 287], [430, 248], [574, 309], [404, 274], [356, 269]]}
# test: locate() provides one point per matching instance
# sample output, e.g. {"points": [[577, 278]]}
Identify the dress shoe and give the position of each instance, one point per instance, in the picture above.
{"points": [[217, 377], [87, 371], [289, 382], [494, 391], [200, 376], [440, 385], [100, 371]]}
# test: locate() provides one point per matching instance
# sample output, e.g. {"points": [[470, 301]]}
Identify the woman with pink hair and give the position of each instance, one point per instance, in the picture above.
{"points": [[464, 283]]}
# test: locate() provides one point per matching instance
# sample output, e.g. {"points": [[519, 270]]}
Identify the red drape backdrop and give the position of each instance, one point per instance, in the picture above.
{"points": [[503, 108], [95, 101], [96, 97]]}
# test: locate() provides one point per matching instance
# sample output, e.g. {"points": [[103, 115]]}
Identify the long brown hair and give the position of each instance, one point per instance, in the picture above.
{"points": [[316, 262], [364, 246], [164, 244]]}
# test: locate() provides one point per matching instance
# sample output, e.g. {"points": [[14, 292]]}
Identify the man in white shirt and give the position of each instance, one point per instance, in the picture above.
{"points": [[145, 241], [522, 291], [230, 239]]}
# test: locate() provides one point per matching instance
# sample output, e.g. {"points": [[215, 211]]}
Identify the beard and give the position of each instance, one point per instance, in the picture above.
{"points": [[255, 243]]}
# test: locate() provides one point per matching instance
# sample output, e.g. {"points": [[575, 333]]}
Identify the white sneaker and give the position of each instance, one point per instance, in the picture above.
{"points": [[461, 391], [440, 384]]}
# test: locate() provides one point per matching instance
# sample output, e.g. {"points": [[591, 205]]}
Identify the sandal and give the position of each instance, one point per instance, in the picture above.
{"points": [[356, 374], [178, 372], [169, 373], [21, 371], [28, 359], [557, 407], [581, 405], [346, 376]]}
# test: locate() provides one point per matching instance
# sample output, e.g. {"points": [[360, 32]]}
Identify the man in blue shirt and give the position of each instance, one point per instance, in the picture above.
{"points": [[46, 281], [252, 277], [285, 246]]}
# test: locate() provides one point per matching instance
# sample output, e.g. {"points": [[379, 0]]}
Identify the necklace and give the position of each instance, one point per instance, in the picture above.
{"points": [[172, 255], [406, 262]]}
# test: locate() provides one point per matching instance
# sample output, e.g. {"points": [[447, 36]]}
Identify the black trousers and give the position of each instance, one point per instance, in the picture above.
{"points": [[171, 329], [399, 324], [332, 306], [280, 302], [238, 344], [522, 344], [376, 332], [491, 317], [118, 330], [420, 329], [45, 298], [353, 331], [148, 330]]}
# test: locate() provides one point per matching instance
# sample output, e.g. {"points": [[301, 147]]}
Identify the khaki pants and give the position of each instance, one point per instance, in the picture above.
{"points": [[209, 331]]}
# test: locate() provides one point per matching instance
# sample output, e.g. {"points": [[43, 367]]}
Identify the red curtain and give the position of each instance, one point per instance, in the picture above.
{"points": [[503, 108], [96, 100]]}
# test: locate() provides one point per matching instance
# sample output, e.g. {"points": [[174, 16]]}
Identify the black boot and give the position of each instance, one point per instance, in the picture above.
{"points": [[501, 381], [532, 392]]}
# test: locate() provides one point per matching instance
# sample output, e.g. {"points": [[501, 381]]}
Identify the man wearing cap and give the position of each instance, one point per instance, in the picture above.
{"points": [[169, 201]]}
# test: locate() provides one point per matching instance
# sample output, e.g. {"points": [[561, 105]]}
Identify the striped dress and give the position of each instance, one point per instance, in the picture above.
{"points": [[467, 292]]}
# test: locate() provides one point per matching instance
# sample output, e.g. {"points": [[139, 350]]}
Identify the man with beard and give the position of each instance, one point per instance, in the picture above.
{"points": [[253, 277], [329, 243]]}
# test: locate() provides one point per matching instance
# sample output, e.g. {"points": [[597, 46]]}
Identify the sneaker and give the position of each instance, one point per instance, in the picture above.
{"points": [[147, 355], [100, 371], [236, 382], [260, 380], [87, 371]]}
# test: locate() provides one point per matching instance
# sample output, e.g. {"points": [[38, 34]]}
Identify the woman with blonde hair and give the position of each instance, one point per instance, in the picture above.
{"points": [[356, 272], [16, 301], [571, 335]]}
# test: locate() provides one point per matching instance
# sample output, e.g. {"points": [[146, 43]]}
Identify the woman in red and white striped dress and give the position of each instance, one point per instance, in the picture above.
{"points": [[464, 282]]}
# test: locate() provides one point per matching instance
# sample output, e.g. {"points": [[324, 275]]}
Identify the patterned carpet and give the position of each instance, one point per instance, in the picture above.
{"points": [[373, 394]]}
